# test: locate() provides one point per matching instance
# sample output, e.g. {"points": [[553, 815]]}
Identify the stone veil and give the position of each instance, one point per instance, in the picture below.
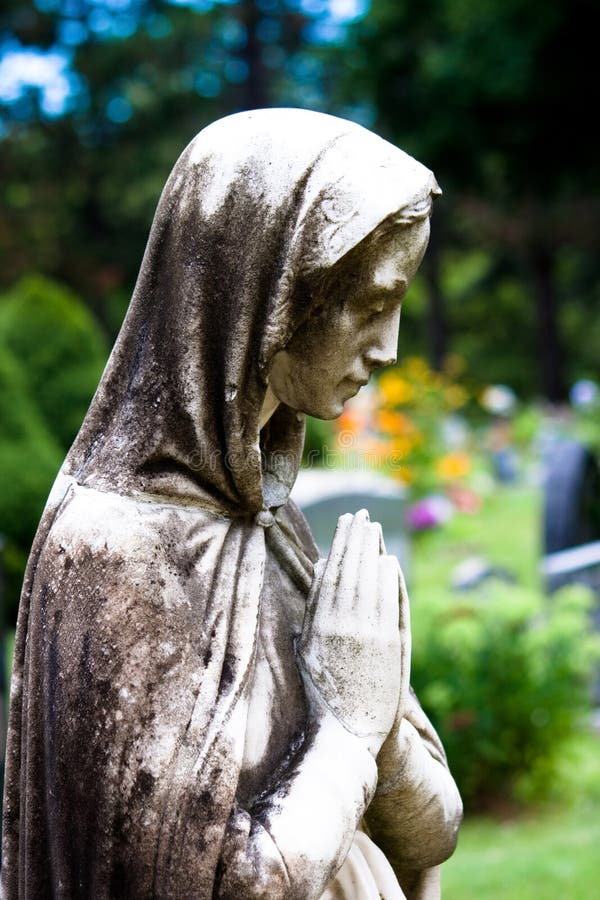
{"points": [[142, 604]]}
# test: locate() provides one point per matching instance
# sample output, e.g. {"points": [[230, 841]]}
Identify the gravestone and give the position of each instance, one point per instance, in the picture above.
{"points": [[571, 516], [572, 524], [324, 495], [571, 496]]}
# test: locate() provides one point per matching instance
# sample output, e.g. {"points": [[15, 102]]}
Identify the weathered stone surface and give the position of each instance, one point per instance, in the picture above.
{"points": [[201, 707]]}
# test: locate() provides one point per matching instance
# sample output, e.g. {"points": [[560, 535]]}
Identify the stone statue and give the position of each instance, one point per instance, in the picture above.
{"points": [[202, 708]]}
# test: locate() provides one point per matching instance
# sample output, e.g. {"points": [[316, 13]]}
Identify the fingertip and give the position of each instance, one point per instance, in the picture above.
{"points": [[343, 525], [381, 544], [344, 520]]}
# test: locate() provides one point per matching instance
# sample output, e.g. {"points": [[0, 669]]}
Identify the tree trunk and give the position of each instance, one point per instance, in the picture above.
{"points": [[550, 352], [437, 329], [256, 95]]}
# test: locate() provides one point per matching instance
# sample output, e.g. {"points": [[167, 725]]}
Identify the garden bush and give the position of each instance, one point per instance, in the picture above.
{"points": [[60, 347], [29, 457], [29, 461], [504, 674], [51, 356]]}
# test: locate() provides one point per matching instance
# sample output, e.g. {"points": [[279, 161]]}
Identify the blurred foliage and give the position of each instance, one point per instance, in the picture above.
{"points": [[505, 676], [144, 78], [29, 454], [60, 348], [318, 442], [503, 671], [413, 405], [492, 96], [51, 356], [29, 460], [407, 425]]}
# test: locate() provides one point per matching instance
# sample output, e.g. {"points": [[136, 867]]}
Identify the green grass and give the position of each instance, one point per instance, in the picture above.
{"points": [[547, 854], [506, 532], [548, 857]]}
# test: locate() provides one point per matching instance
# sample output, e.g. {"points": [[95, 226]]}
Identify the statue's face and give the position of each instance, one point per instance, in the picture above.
{"points": [[354, 332]]}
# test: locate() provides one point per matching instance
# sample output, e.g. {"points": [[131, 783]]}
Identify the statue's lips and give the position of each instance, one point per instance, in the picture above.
{"points": [[350, 387], [356, 382]]}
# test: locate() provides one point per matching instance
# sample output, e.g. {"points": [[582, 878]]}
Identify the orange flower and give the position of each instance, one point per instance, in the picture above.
{"points": [[393, 423], [351, 419], [453, 466], [394, 388]]}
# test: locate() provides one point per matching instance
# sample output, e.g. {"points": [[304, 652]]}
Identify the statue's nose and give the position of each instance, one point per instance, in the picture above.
{"points": [[384, 342]]}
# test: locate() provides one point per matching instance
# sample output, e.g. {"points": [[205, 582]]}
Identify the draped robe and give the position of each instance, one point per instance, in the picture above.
{"points": [[160, 742]]}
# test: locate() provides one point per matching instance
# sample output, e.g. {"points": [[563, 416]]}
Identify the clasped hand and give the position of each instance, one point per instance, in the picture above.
{"points": [[350, 647]]}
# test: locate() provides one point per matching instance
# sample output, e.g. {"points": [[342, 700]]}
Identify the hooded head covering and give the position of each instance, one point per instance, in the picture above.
{"points": [[258, 203]]}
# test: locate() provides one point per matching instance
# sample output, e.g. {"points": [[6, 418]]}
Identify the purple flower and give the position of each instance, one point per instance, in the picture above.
{"points": [[430, 512]]}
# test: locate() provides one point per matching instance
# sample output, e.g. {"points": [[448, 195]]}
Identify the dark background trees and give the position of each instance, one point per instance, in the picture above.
{"points": [[496, 98]]}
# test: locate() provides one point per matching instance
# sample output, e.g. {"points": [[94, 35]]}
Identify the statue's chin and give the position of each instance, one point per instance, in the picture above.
{"points": [[331, 411], [330, 407]]}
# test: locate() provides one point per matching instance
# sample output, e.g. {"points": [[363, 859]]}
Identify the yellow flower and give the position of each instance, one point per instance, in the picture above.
{"points": [[402, 445], [405, 474], [417, 368], [394, 388], [453, 466], [455, 396]]}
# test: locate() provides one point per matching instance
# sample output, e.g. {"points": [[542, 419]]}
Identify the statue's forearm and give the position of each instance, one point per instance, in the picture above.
{"points": [[416, 811], [295, 842]]}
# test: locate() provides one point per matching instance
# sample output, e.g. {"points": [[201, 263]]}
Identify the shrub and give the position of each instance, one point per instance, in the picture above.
{"points": [[29, 461], [51, 357], [505, 675], [29, 457], [60, 348]]}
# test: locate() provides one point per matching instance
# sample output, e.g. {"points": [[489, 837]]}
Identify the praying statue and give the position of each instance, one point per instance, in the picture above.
{"points": [[202, 708]]}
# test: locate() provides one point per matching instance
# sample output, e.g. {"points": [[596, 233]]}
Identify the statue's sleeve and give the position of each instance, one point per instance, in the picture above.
{"points": [[293, 841], [416, 811]]}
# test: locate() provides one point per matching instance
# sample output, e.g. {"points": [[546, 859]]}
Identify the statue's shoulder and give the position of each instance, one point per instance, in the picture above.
{"points": [[105, 521], [130, 551]]}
